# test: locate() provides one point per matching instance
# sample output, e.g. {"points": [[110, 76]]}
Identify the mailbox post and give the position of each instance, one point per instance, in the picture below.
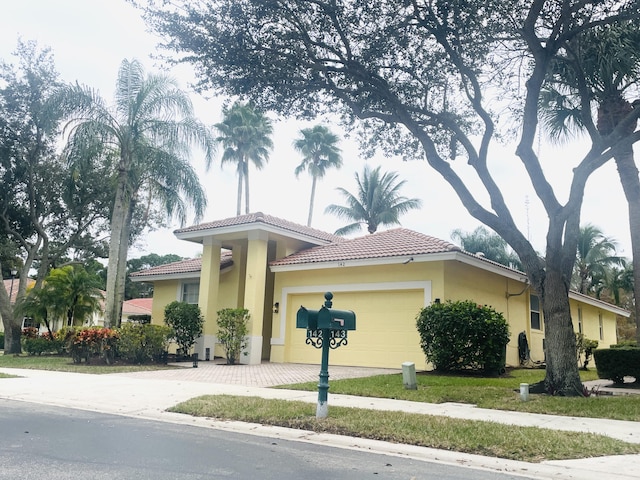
{"points": [[326, 328]]}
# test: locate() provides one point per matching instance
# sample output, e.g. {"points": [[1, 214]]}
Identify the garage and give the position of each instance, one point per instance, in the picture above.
{"points": [[385, 334]]}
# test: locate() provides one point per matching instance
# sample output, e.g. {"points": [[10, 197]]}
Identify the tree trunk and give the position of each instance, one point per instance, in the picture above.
{"points": [[12, 326], [122, 263], [118, 220], [612, 110], [246, 187], [312, 198], [631, 185], [239, 199], [562, 375]]}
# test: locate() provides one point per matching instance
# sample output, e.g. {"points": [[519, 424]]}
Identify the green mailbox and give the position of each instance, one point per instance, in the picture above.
{"points": [[326, 328], [336, 319], [307, 319]]}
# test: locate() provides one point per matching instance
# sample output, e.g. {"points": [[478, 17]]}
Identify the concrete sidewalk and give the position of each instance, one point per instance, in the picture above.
{"points": [[148, 394]]}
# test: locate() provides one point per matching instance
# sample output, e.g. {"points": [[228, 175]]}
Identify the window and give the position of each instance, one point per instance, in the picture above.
{"points": [[535, 312], [601, 326], [28, 322], [190, 292], [579, 320]]}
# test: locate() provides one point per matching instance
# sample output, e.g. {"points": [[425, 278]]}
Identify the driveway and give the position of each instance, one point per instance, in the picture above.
{"points": [[263, 375]]}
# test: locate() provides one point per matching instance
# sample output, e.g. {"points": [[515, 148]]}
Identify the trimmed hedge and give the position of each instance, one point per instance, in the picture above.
{"points": [[617, 363], [463, 336]]}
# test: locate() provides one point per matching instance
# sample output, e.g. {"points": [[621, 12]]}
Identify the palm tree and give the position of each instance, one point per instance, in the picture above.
{"points": [[595, 258], [490, 245], [319, 150], [149, 131], [37, 304], [378, 202], [610, 60], [616, 285], [77, 293], [245, 135]]}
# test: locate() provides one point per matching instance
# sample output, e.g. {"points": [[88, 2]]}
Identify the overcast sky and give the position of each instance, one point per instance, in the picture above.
{"points": [[89, 39]]}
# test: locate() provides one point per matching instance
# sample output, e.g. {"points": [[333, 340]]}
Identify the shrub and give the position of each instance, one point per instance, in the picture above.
{"points": [[93, 341], [463, 336], [617, 363], [186, 321], [585, 346], [143, 343], [30, 332], [35, 344], [2, 340], [232, 332], [66, 336], [38, 345]]}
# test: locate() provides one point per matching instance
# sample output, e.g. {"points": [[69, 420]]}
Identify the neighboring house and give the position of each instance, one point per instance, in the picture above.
{"points": [[97, 319], [136, 307], [11, 286], [271, 267]]}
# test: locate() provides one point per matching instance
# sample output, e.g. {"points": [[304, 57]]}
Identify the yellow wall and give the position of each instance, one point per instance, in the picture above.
{"points": [[386, 300], [164, 292], [507, 296], [591, 323]]}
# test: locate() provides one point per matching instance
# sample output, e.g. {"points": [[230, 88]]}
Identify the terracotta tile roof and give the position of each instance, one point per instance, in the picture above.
{"points": [[261, 218], [390, 243], [16, 284], [192, 265], [137, 306]]}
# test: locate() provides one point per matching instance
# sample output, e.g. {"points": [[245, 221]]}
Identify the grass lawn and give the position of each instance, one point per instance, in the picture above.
{"points": [[483, 438], [500, 393], [65, 364]]}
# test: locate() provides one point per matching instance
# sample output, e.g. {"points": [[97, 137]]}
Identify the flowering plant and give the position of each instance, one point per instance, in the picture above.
{"points": [[30, 332], [90, 342]]}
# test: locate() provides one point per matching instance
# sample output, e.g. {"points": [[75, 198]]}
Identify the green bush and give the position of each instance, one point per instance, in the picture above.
{"points": [[40, 345], [232, 332], [617, 363], [2, 340], [66, 335], [35, 344], [585, 346], [463, 336], [186, 321], [143, 343]]}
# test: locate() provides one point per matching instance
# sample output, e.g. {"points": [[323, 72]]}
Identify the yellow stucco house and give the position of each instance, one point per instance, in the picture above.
{"points": [[271, 267]]}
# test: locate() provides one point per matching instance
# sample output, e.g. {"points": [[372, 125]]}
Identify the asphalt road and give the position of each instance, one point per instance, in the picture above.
{"points": [[41, 442]]}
